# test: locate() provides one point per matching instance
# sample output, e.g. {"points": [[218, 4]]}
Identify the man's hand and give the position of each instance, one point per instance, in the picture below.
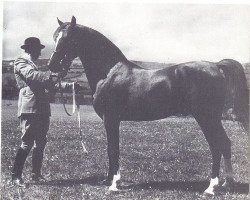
{"points": [[54, 77]]}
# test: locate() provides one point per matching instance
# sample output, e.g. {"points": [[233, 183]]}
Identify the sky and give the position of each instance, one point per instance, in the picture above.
{"points": [[146, 31]]}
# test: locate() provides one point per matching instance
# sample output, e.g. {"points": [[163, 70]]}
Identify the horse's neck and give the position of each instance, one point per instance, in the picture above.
{"points": [[98, 71], [98, 56]]}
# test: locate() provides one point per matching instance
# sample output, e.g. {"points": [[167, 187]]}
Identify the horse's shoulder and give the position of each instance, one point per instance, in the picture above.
{"points": [[104, 83], [99, 86]]}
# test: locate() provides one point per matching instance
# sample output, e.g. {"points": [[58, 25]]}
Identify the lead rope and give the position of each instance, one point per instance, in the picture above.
{"points": [[63, 102], [75, 106]]}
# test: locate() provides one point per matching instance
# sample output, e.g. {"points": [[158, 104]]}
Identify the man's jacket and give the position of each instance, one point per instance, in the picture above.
{"points": [[32, 84]]}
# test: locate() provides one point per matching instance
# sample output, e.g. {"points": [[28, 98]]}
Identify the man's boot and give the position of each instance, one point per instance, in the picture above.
{"points": [[18, 166], [37, 159]]}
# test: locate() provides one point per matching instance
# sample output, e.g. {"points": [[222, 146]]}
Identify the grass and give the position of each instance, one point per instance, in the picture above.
{"points": [[166, 159]]}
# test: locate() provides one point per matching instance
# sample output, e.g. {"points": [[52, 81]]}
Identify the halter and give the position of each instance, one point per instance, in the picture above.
{"points": [[65, 63]]}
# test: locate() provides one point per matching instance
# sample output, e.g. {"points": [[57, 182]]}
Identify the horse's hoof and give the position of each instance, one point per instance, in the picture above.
{"points": [[113, 189], [209, 193]]}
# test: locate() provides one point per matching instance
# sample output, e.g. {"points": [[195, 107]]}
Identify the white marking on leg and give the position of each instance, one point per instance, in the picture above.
{"points": [[213, 182], [228, 168], [116, 178]]}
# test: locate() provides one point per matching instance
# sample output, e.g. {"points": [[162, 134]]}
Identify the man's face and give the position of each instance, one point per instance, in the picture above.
{"points": [[35, 53]]}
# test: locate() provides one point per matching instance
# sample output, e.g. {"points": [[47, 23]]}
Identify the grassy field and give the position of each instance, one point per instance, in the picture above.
{"points": [[166, 159]]}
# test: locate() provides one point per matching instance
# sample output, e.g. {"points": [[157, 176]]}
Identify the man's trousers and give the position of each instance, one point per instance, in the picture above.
{"points": [[34, 130]]}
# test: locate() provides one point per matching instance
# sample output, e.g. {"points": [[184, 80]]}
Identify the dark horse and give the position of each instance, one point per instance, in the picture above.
{"points": [[124, 91]]}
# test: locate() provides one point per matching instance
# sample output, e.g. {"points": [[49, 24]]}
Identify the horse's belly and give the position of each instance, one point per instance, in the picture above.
{"points": [[150, 102], [142, 116], [146, 112]]}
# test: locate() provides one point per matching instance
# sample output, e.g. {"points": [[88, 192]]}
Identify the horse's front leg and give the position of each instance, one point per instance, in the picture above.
{"points": [[111, 124]]}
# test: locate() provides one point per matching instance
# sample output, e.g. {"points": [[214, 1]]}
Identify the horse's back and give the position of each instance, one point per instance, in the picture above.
{"points": [[196, 87]]}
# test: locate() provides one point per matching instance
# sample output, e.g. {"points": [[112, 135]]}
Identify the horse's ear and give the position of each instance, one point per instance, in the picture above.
{"points": [[73, 21], [59, 21]]}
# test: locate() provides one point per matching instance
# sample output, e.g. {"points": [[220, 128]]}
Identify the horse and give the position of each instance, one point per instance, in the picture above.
{"points": [[124, 91]]}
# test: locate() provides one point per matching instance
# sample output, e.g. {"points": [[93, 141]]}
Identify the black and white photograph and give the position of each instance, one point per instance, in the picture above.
{"points": [[125, 100]]}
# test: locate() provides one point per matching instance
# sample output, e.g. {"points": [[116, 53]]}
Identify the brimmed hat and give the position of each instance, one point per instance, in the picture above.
{"points": [[32, 42]]}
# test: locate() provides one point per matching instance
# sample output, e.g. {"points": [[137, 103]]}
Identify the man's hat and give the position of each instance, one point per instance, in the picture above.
{"points": [[32, 42]]}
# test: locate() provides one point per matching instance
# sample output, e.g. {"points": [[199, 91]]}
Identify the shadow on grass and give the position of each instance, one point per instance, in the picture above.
{"points": [[192, 186], [92, 180], [99, 180]]}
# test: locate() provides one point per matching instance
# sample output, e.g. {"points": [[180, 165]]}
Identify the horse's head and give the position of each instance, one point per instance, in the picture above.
{"points": [[65, 46]]}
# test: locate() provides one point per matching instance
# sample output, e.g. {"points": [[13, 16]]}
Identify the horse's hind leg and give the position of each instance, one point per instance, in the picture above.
{"points": [[224, 144], [112, 128], [219, 145]]}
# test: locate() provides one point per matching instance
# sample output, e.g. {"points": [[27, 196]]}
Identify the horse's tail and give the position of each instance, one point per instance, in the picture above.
{"points": [[237, 90]]}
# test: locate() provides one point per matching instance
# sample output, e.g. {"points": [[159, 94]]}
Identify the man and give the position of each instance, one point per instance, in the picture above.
{"points": [[33, 109]]}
